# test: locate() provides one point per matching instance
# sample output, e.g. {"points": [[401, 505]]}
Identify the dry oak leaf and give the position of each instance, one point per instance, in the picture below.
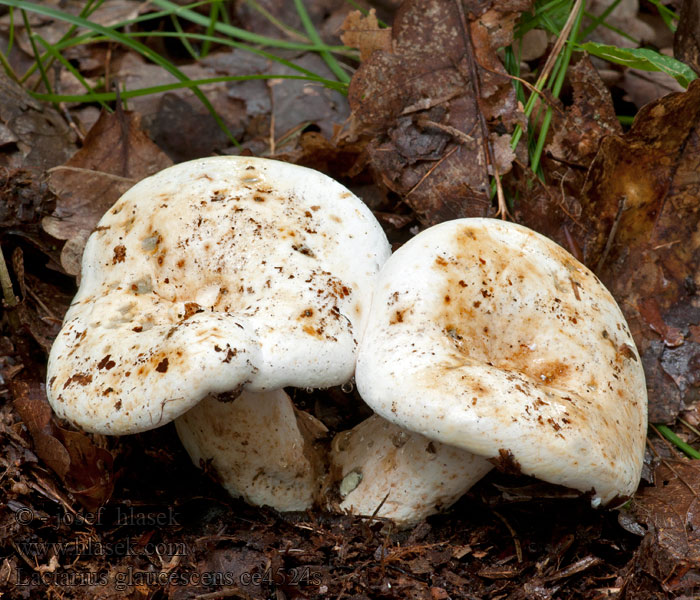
{"points": [[553, 208], [363, 32], [115, 155], [670, 551], [85, 469], [642, 199], [31, 135], [417, 104]]}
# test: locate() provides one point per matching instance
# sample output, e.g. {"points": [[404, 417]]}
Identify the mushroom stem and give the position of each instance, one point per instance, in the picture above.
{"points": [[403, 474], [260, 448]]}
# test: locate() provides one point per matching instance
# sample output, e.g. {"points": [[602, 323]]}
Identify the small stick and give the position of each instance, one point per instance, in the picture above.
{"points": [[474, 77], [6, 283], [613, 231], [516, 541]]}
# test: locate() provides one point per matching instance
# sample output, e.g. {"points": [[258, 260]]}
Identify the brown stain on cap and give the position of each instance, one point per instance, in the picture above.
{"points": [[478, 305]]}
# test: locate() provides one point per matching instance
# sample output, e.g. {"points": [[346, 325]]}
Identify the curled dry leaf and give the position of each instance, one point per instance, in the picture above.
{"points": [[363, 32], [418, 105], [554, 208], [641, 198], [579, 129], [115, 155], [85, 468]]}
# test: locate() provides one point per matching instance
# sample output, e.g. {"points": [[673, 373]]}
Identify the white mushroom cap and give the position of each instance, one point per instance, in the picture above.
{"points": [[260, 448], [489, 337], [212, 276], [412, 475]]}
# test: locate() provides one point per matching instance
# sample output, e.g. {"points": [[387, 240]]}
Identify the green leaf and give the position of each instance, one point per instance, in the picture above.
{"points": [[643, 59]]}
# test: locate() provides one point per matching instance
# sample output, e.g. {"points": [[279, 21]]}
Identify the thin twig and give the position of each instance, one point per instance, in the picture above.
{"points": [[611, 236], [41, 304], [435, 166], [453, 131], [92, 171], [6, 283], [476, 88], [514, 535], [561, 40], [376, 510]]}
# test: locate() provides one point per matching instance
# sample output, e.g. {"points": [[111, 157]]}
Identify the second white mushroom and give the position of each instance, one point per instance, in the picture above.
{"points": [[488, 337]]}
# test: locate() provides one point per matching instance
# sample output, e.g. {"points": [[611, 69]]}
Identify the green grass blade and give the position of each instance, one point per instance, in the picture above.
{"points": [[597, 20], [138, 47], [625, 119], [672, 437], [512, 66], [156, 89], [330, 60], [9, 71], [283, 27], [183, 38], [87, 10], [666, 14], [643, 59], [69, 67], [213, 17], [549, 16], [612, 28], [37, 56], [559, 74], [329, 83], [236, 32]]}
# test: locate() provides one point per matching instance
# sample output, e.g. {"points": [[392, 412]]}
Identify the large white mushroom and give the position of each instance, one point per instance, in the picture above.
{"points": [[489, 338], [213, 277]]}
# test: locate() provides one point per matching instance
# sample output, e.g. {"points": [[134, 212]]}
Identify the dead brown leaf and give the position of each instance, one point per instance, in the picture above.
{"points": [[24, 197], [115, 155], [579, 129], [31, 134], [85, 468], [641, 198], [363, 32], [553, 208], [418, 105], [670, 552]]}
